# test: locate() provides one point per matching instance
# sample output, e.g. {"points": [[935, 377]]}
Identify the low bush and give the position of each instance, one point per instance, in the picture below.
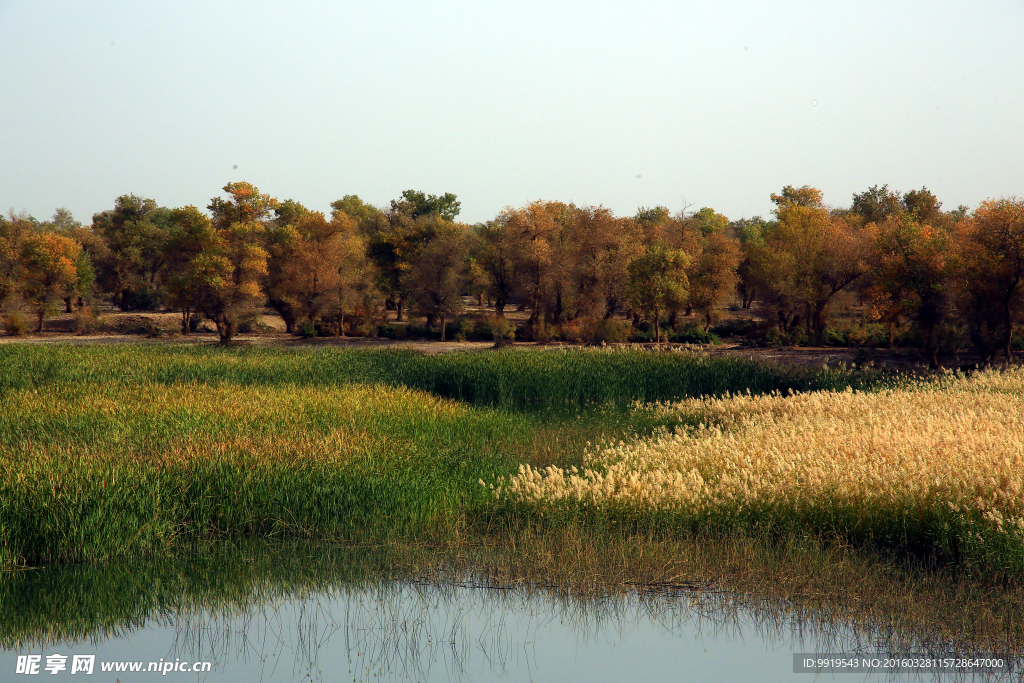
{"points": [[604, 330], [15, 323], [693, 334]]}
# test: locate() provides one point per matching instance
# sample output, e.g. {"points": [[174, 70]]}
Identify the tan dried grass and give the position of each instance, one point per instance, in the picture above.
{"points": [[916, 457]]}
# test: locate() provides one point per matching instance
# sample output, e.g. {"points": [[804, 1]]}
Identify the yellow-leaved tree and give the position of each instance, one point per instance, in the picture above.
{"points": [[804, 259], [53, 268], [218, 266]]}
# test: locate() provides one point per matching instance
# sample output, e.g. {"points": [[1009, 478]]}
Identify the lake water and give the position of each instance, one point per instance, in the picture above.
{"points": [[400, 630]]}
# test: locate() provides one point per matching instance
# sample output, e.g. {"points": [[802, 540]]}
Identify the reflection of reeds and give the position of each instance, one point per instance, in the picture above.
{"points": [[934, 468], [223, 597]]}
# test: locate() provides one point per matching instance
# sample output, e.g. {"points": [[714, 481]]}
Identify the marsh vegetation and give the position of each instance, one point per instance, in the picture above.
{"points": [[873, 502]]}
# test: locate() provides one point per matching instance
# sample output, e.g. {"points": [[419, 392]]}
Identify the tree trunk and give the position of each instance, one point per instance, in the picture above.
{"points": [[1008, 324], [610, 306], [67, 305], [42, 313], [226, 329], [559, 310], [399, 306], [442, 327], [930, 349]]}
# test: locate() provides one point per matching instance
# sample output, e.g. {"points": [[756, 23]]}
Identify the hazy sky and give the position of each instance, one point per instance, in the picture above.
{"points": [[624, 104]]}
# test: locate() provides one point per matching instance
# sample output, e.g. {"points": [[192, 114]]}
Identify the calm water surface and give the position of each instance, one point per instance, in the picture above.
{"points": [[403, 630]]}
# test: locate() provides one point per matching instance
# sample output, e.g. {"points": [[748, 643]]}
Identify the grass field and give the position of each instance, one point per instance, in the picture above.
{"points": [[930, 468], [125, 451]]}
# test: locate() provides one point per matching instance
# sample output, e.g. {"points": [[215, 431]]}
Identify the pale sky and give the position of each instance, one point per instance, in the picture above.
{"points": [[621, 104]]}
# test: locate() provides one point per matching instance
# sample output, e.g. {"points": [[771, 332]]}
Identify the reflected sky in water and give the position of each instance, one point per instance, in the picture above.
{"points": [[411, 631]]}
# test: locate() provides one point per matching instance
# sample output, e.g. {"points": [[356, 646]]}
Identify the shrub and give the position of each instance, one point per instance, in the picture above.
{"points": [[138, 325], [144, 300], [692, 334], [604, 330], [15, 323], [641, 336], [542, 333], [503, 332], [250, 322], [194, 322], [738, 327], [86, 320], [571, 331], [389, 331]]}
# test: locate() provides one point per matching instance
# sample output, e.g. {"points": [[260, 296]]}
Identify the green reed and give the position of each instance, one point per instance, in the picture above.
{"points": [[130, 450]]}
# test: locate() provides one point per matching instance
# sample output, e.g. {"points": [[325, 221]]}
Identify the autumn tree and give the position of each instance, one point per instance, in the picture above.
{"points": [[805, 196], [94, 248], [397, 236], [991, 293], [129, 266], [323, 275], [53, 266], [436, 275], [414, 204], [805, 259], [219, 265], [749, 232], [657, 282], [393, 247], [190, 236], [14, 230], [923, 205], [368, 218], [598, 250], [537, 230], [713, 259], [876, 204], [652, 222], [494, 253], [914, 264], [246, 205], [281, 242], [355, 291]]}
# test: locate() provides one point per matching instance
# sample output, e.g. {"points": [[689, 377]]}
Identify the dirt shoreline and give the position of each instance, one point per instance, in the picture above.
{"points": [[112, 326], [806, 357]]}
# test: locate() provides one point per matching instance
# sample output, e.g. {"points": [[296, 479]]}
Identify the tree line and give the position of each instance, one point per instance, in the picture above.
{"points": [[922, 273]]}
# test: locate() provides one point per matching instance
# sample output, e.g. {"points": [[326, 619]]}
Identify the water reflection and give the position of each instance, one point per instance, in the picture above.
{"points": [[260, 617]]}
